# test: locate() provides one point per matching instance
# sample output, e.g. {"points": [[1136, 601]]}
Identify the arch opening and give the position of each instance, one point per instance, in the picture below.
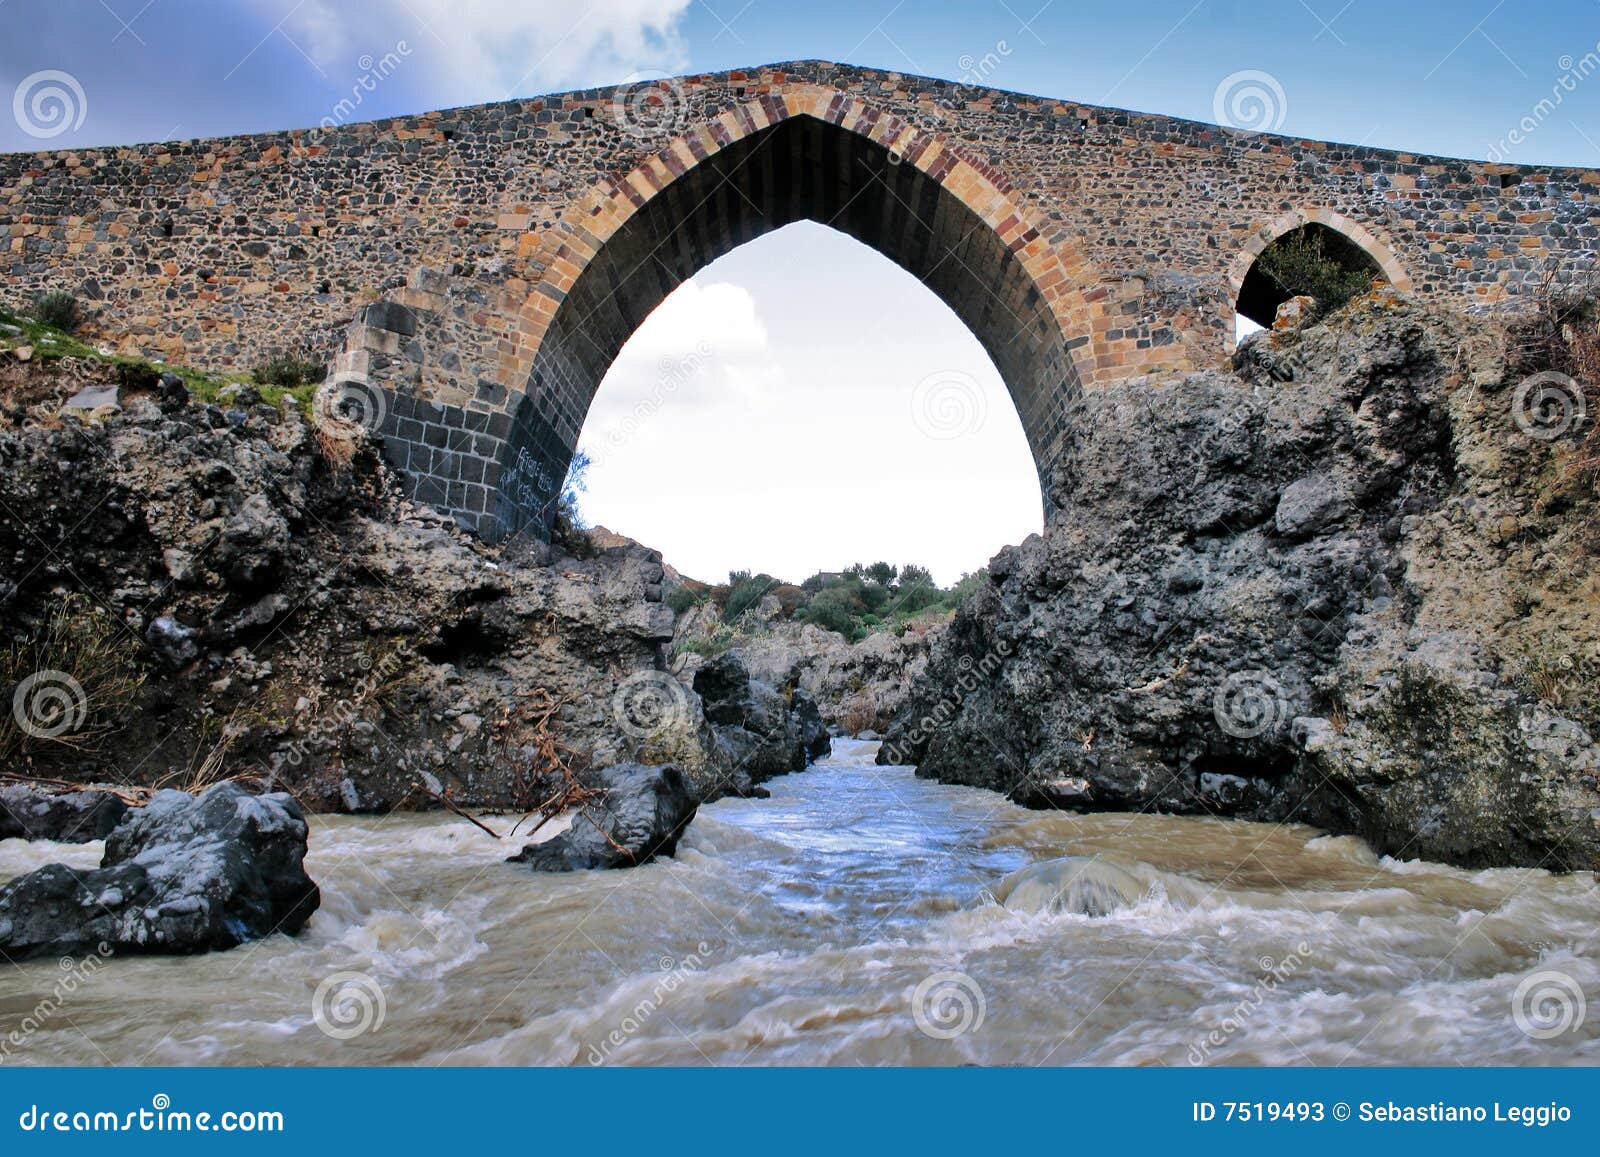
{"points": [[1312, 260], [790, 414], [801, 168]]}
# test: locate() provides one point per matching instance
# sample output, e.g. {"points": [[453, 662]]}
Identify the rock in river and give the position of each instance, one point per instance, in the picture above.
{"points": [[641, 813], [68, 817], [183, 874]]}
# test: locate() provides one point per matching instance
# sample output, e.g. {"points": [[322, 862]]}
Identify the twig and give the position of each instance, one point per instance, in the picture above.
{"points": [[133, 796], [453, 806]]}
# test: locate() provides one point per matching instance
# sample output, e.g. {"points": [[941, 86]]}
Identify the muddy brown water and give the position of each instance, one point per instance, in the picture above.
{"points": [[844, 921]]}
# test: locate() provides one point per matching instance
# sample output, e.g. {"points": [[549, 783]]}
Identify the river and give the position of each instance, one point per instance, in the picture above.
{"points": [[843, 921]]}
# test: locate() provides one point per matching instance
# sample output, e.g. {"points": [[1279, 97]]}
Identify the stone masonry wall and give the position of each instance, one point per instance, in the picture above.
{"points": [[454, 240]]}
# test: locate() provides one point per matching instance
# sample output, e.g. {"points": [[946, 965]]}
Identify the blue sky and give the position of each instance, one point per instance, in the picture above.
{"points": [[1431, 76], [826, 465]]}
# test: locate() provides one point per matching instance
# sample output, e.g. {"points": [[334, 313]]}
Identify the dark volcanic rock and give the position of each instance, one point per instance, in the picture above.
{"points": [[814, 737], [69, 817], [764, 732], [1352, 594], [642, 815], [364, 643], [184, 874]]}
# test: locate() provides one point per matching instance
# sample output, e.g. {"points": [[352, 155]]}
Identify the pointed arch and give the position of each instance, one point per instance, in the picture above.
{"points": [[1035, 303]]}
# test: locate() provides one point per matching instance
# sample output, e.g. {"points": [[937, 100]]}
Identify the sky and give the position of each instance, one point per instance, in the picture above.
{"points": [[780, 444]]}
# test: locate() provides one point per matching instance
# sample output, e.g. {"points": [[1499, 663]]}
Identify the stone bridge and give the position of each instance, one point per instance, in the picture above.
{"points": [[496, 258]]}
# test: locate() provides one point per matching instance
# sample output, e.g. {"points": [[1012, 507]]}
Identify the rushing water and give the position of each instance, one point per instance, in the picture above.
{"points": [[844, 921]]}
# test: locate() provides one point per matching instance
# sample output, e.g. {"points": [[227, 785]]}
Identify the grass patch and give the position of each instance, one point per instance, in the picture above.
{"points": [[71, 684], [52, 344]]}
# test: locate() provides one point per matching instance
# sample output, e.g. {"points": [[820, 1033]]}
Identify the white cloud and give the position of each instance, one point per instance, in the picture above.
{"points": [[797, 442], [704, 351], [477, 51]]}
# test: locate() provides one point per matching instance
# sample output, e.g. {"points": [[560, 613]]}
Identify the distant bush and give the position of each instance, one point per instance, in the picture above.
{"points": [[854, 602], [745, 591], [288, 371], [832, 610], [682, 599], [790, 599], [967, 586], [58, 309]]}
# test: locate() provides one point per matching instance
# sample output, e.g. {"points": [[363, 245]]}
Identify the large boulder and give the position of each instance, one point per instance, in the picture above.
{"points": [[640, 813], [68, 817], [764, 732], [183, 874]]}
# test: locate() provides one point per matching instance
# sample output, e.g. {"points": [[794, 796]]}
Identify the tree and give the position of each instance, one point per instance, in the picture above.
{"points": [[574, 484], [881, 573]]}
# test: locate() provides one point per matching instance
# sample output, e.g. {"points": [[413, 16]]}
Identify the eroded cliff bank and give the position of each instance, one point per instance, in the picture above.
{"points": [[199, 591], [1352, 584]]}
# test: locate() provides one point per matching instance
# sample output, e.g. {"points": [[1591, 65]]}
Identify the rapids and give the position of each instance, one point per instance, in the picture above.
{"points": [[851, 919]]}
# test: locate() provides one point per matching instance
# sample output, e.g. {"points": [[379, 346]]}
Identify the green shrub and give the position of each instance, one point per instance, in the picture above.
{"points": [[1300, 263], [288, 371], [58, 309], [745, 591], [832, 611], [681, 599]]}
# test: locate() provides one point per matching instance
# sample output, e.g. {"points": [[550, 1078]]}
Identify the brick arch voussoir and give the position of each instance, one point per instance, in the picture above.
{"points": [[1067, 281], [1373, 244]]}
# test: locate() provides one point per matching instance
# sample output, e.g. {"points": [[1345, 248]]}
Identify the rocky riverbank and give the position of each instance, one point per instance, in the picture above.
{"points": [[199, 591], [1352, 584], [858, 687]]}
